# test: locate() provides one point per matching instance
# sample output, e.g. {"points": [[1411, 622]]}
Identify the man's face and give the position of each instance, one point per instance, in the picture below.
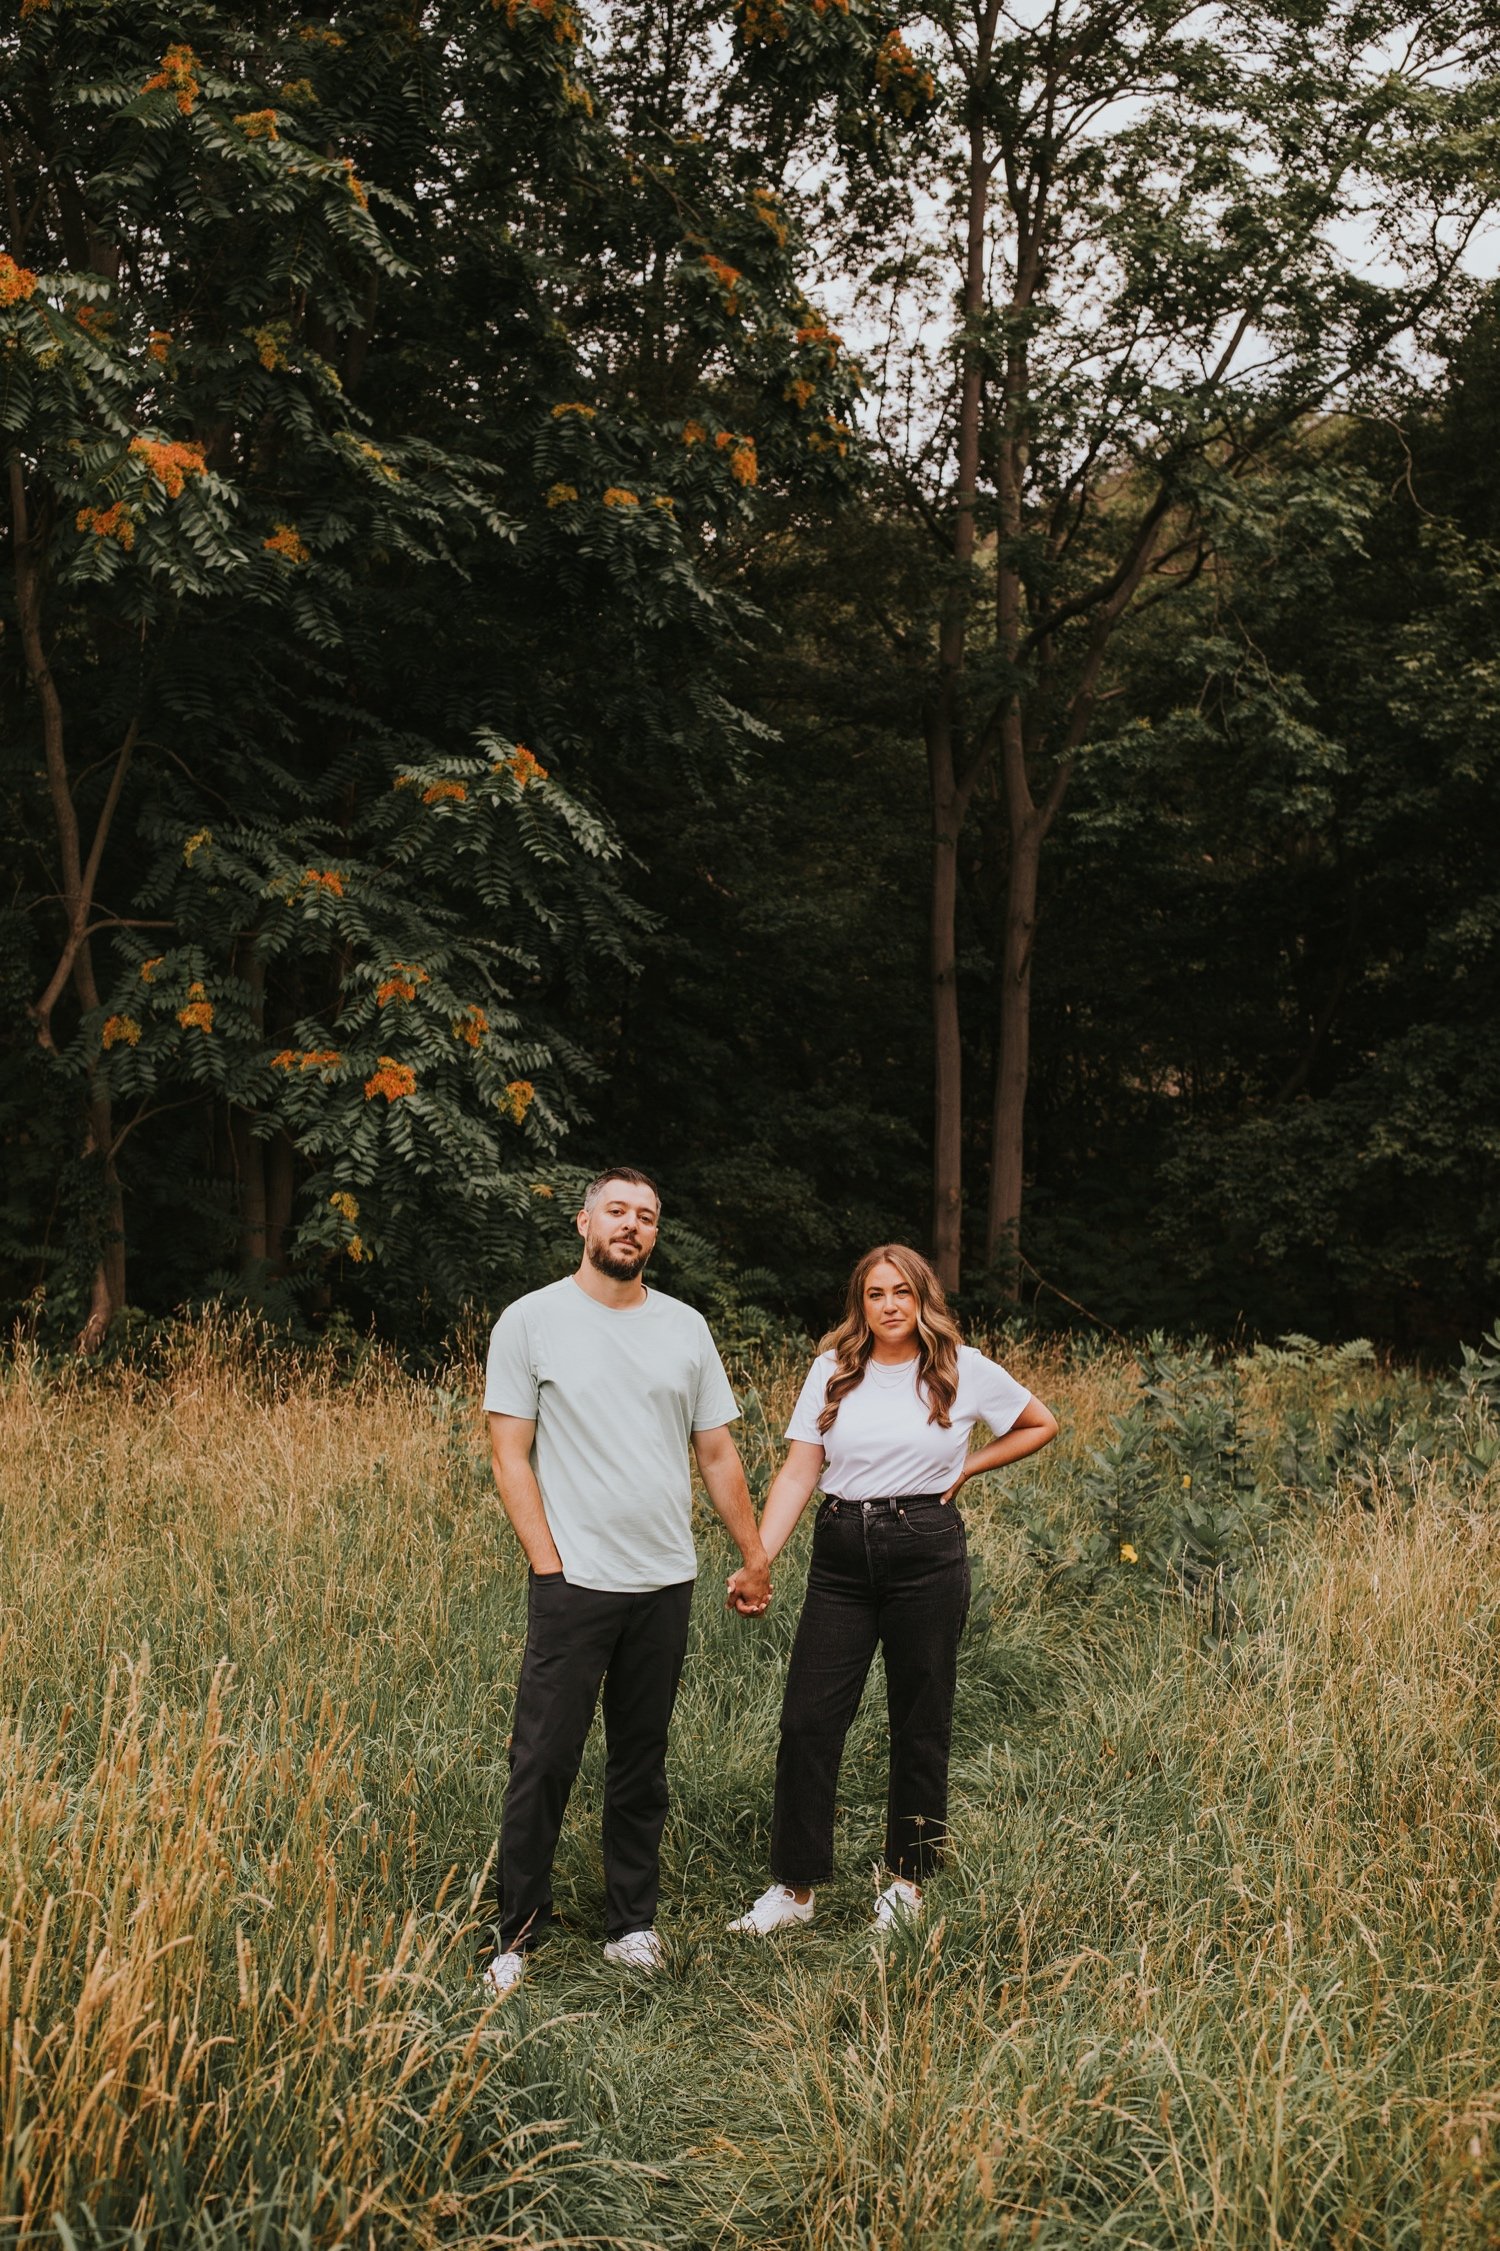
{"points": [[619, 1233]]}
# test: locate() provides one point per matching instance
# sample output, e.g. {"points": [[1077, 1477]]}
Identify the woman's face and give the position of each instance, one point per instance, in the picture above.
{"points": [[890, 1305]]}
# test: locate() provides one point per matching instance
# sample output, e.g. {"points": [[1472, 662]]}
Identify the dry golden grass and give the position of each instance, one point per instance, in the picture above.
{"points": [[1215, 1964]]}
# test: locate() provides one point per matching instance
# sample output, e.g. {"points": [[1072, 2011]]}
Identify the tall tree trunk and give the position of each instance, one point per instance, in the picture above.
{"points": [[951, 789], [250, 1173], [75, 963], [947, 1053], [281, 1182], [1013, 1057], [1029, 825]]}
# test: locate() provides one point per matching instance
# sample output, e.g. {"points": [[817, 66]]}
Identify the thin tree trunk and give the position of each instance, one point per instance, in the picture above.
{"points": [[947, 1053], [250, 1167], [76, 964], [281, 1182], [951, 791], [1013, 1059]]}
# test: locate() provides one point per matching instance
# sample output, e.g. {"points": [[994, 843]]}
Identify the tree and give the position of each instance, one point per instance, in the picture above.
{"points": [[1166, 222], [340, 514]]}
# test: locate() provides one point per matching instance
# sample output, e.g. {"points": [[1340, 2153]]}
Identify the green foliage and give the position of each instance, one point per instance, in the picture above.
{"points": [[329, 356]]}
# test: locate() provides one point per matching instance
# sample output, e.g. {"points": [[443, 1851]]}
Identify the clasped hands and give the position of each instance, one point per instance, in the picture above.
{"points": [[749, 1589]]}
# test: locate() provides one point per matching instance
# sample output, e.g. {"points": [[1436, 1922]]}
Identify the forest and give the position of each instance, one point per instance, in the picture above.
{"points": [[890, 614]]}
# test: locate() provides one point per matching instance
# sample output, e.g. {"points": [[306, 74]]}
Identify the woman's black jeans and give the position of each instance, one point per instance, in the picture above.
{"points": [[894, 1572]]}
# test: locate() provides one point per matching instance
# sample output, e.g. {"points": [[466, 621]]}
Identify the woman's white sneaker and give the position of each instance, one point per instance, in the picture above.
{"points": [[504, 1972], [900, 1902], [637, 1950], [776, 1910]]}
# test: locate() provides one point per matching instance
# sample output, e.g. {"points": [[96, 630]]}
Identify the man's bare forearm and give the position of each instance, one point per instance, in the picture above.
{"points": [[521, 1499], [729, 1498]]}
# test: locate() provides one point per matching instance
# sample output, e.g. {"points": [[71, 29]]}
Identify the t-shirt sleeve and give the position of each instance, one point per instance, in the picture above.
{"points": [[510, 1386], [714, 1404], [996, 1396], [810, 1399]]}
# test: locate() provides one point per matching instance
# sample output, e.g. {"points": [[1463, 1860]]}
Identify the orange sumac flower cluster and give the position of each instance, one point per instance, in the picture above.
{"points": [[768, 212], [286, 542], [517, 1099], [344, 1204], [761, 21], [522, 765], [16, 282], [558, 496], [832, 437], [437, 791], [616, 496], [401, 984], [170, 463], [258, 125], [178, 75], [114, 522], [574, 406], [394, 1080], [559, 13], [198, 1016], [118, 1028], [899, 74], [326, 879], [728, 278], [743, 465], [306, 1059], [819, 332], [471, 1026], [159, 343]]}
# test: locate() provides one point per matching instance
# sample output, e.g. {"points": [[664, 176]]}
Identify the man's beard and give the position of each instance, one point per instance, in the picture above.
{"points": [[619, 1266]]}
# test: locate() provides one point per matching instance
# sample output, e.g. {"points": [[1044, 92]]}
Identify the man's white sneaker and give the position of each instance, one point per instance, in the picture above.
{"points": [[504, 1972], [775, 1910], [637, 1950], [900, 1902]]}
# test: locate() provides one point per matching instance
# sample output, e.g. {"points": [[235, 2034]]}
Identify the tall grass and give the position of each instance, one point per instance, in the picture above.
{"points": [[1215, 1962]]}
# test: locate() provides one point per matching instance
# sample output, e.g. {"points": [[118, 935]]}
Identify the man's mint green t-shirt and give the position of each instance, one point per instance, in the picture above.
{"points": [[615, 1397]]}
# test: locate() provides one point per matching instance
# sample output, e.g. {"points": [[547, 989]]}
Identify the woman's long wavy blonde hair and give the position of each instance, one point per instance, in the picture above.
{"points": [[852, 1342]]}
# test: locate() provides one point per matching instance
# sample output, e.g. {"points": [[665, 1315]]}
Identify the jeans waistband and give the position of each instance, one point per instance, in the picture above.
{"points": [[887, 1501]]}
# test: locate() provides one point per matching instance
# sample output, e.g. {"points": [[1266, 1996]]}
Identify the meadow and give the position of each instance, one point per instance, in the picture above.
{"points": [[1215, 1962]]}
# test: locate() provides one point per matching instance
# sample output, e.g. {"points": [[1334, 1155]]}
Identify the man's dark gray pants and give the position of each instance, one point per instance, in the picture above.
{"points": [[577, 1641]]}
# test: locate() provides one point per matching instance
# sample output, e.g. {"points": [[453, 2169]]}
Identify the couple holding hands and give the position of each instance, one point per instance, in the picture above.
{"points": [[597, 1391]]}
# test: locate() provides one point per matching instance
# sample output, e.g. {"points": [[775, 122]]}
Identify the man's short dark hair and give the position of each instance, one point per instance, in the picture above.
{"points": [[627, 1173]]}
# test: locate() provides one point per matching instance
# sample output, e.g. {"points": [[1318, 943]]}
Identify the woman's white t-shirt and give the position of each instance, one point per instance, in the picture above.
{"points": [[882, 1443]]}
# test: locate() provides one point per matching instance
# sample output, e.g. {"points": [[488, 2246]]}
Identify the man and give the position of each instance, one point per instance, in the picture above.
{"points": [[596, 1389]]}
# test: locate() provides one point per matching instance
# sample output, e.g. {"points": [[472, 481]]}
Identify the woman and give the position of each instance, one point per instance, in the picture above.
{"points": [[882, 1424]]}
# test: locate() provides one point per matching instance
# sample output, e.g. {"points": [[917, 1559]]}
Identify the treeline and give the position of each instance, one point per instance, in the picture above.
{"points": [[493, 678]]}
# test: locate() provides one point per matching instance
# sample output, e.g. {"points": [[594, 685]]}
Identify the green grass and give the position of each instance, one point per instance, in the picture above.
{"points": [[1215, 1962]]}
